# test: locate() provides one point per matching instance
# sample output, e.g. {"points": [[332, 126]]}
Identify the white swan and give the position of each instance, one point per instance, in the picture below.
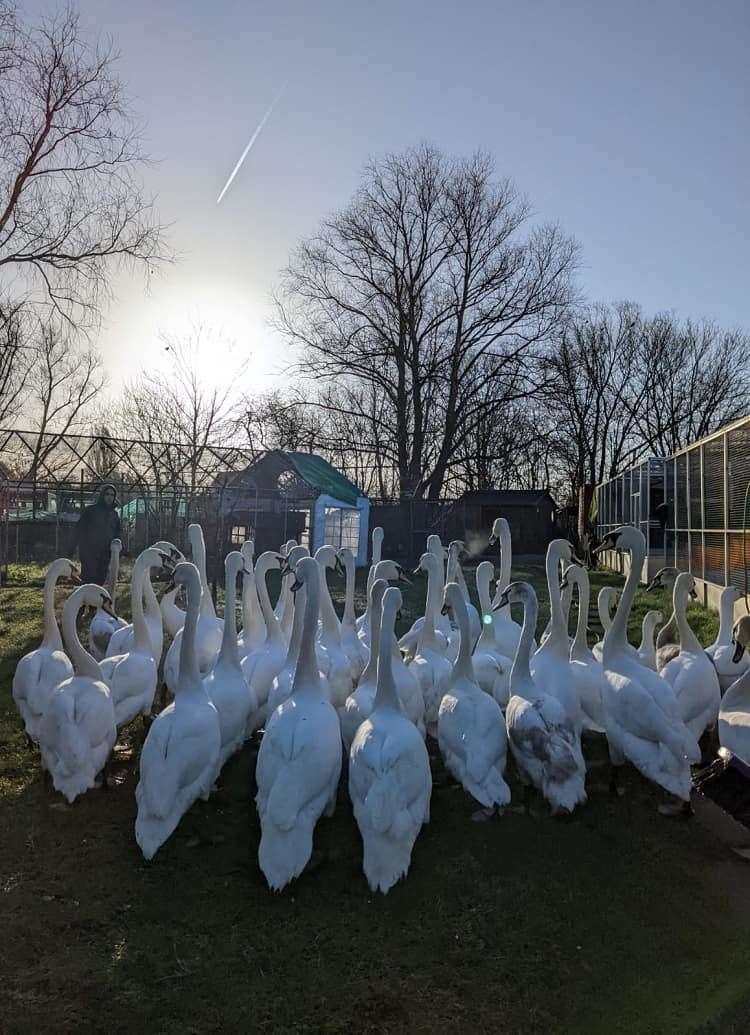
{"points": [[471, 731], [543, 739], [299, 761], [391, 572], [284, 607], [667, 645], [122, 641], [390, 782], [225, 685], [455, 573], [507, 632], [587, 671], [647, 648], [132, 675], [363, 622], [550, 664], [333, 660], [429, 663], [105, 623], [281, 687], [77, 730], [253, 634], [353, 647], [491, 667], [209, 630], [734, 714], [181, 751], [722, 650], [261, 666], [691, 674], [641, 714], [445, 639], [361, 700], [39, 672]]}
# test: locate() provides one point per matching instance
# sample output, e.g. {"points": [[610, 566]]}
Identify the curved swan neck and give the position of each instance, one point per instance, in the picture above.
{"points": [[198, 550], [557, 618], [83, 663], [328, 616], [506, 561], [386, 695], [581, 643], [266, 561], [296, 638], [617, 634], [737, 697], [377, 545], [189, 678], [726, 615], [349, 615], [483, 577], [520, 672], [603, 608], [668, 632], [306, 674], [112, 572], [688, 640], [140, 577], [463, 667], [376, 616], [52, 639], [434, 593]]}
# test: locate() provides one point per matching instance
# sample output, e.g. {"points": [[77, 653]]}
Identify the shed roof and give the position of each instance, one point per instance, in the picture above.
{"points": [[310, 468]]}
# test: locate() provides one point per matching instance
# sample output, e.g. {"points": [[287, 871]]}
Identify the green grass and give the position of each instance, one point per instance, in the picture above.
{"points": [[613, 920]]}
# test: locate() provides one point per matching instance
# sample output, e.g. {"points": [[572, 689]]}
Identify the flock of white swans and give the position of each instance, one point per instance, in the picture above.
{"points": [[309, 681]]}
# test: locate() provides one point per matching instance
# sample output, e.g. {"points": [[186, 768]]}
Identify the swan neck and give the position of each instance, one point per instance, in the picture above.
{"points": [[688, 640], [140, 577], [306, 674], [726, 614], [349, 616], [112, 573], [52, 639], [581, 638], [83, 663], [463, 666], [328, 614], [520, 672], [506, 557], [299, 613], [386, 695], [617, 634], [273, 632], [198, 550], [229, 652], [558, 624], [189, 678], [376, 621]]}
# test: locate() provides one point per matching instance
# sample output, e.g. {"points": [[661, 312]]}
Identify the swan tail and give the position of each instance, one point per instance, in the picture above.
{"points": [[283, 854]]}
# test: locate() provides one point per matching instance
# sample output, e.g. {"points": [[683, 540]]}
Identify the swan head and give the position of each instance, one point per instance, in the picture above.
{"points": [[436, 548], [306, 571], [65, 569], [516, 592], [500, 527], [248, 552], [115, 547], [453, 598], [653, 618], [572, 576], [153, 557], [186, 574], [170, 549], [327, 557], [741, 637], [195, 538], [377, 592], [684, 586], [234, 563], [626, 537], [377, 534], [391, 571], [393, 601], [293, 558], [346, 557], [428, 563], [91, 595], [665, 578]]}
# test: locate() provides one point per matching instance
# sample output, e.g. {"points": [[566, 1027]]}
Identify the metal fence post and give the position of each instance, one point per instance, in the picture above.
{"points": [[703, 516], [725, 475]]}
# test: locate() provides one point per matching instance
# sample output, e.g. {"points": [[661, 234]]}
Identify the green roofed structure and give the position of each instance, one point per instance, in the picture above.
{"points": [[301, 496]]}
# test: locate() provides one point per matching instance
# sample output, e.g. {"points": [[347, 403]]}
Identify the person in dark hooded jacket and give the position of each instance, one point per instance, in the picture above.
{"points": [[98, 525]]}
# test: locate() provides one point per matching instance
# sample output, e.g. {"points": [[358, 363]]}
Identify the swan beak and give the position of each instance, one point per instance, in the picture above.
{"points": [[296, 585], [445, 609], [502, 602], [107, 608], [694, 593], [492, 540], [577, 560], [608, 543], [739, 650], [75, 577], [653, 585], [417, 571], [403, 578]]}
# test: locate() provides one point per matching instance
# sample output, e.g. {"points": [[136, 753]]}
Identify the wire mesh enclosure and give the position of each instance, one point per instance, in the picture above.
{"points": [[693, 508]]}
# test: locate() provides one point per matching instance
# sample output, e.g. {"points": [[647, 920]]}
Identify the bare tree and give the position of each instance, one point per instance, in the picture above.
{"points": [[420, 290], [15, 361], [70, 199], [64, 381], [694, 378]]}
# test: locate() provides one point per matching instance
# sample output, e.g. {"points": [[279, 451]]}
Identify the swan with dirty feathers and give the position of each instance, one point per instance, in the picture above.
{"points": [[390, 782], [641, 714], [41, 670], [543, 740], [77, 731], [299, 761], [181, 751], [470, 727]]}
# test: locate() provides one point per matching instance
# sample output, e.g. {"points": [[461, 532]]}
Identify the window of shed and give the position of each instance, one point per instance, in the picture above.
{"points": [[342, 528], [239, 534]]}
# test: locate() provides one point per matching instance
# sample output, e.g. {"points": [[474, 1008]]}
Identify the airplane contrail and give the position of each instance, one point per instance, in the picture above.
{"points": [[250, 143]]}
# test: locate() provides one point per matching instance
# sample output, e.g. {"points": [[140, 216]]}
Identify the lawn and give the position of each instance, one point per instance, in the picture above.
{"points": [[613, 920]]}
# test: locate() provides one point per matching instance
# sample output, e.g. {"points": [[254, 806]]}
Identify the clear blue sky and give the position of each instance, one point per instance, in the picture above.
{"points": [[626, 122]]}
